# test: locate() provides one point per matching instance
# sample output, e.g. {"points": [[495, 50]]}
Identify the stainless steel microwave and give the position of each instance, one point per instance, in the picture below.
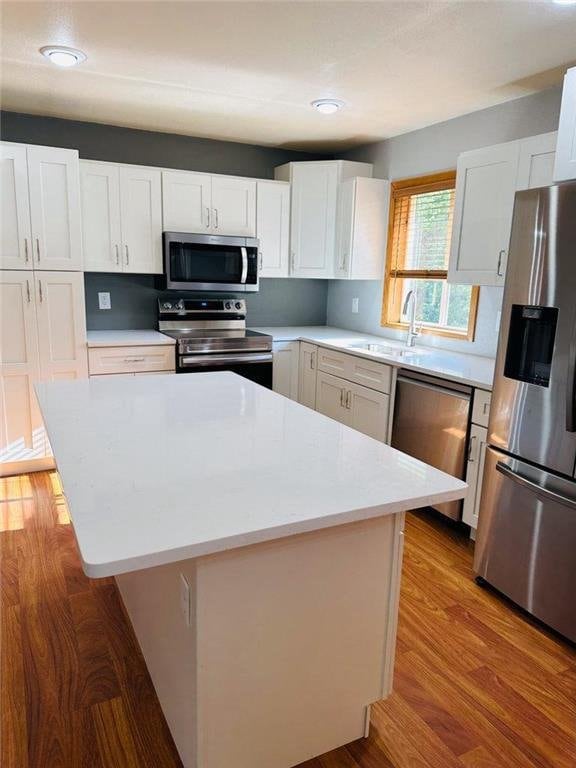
{"points": [[210, 262]]}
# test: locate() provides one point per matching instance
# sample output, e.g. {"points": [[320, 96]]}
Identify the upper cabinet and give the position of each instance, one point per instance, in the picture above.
{"points": [[565, 164], [122, 218], [205, 203], [314, 203], [41, 226], [485, 189], [486, 182], [273, 227], [362, 224]]}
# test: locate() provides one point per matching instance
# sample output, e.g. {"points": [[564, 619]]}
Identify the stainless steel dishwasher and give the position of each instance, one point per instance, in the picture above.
{"points": [[431, 423]]}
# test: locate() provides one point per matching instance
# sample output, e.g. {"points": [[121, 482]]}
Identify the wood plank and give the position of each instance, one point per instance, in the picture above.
{"points": [[114, 735], [13, 726]]}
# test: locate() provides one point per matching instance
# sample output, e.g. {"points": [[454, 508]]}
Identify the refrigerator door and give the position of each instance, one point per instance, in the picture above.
{"points": [[527, 539], [533, 399]]}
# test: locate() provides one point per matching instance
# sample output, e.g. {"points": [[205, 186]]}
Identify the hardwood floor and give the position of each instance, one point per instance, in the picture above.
{"points": [[476, 684]]}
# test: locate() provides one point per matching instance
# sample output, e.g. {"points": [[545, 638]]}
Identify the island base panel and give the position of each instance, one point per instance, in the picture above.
{"points": [[288, 643]]}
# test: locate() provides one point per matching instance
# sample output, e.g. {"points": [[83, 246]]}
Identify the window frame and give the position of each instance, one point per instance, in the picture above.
{"points": [[392, 289]]}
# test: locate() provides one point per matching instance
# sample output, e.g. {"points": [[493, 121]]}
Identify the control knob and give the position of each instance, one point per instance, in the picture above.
{"points": [[238, 305], [166, 305], [228, 305]]}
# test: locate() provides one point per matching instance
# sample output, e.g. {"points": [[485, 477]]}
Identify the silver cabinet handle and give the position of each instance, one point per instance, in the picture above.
{"points": [[342, 398], [134, 359], [470, 444], [38, 249], [26, 254], [485, 408], [312, 361], [207, 217], [292, 260], [215, 218], [501, 255], [127, 255], [28, 291], [117, 254], [40, 288], [348, 399]]}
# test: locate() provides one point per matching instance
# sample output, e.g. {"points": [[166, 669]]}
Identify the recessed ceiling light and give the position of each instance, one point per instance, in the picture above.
{"points": [[63, 56], [327, 106]]}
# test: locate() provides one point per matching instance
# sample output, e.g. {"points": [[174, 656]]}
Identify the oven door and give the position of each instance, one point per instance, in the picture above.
{"points": [[210, 263], [256, 366]]}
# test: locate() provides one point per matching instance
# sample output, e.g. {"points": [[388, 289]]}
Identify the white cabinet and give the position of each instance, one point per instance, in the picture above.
{"points": [[474, 474], [273, 227], [357, 369], [43, 338], [356, 406], [285, 368], [101, 229], [536, 164], [40, 208], [208, 203], [15, 234], [565, 164], [485, 189], [307, 374], [362, 225], [122, 218], [314, 198], [111, 361]]}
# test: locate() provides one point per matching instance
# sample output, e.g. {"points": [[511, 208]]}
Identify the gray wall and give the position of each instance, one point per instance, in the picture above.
{"points": [[428, 150], [134, 302]]}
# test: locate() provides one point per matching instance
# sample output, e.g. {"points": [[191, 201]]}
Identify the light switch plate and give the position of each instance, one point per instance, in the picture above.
{"points": [[355, 304], [185, 599], [104, 301]]}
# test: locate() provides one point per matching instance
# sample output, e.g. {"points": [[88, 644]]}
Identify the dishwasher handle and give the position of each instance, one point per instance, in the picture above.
{"points": [[429, 382]]}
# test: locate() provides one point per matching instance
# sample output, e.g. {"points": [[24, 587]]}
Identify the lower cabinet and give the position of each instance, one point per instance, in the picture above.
{"points": [[285, 368], [307, 374], [110, 361], [356, 406], [43, 338], [474, 474]]}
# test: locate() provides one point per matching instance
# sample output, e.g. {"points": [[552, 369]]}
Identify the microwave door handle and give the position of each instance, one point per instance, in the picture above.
{"points": [[244, 274], [539, 490]]}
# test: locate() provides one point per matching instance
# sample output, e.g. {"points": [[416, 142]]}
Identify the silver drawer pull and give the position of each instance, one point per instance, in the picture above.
{"points": [[40, 289], [127, 255], [134, 359], [26, 255], [117, 254], [28, 291], [38, 249]]}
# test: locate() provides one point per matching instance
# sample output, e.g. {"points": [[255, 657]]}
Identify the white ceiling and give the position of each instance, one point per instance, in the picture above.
{"points": [[247, 71]]}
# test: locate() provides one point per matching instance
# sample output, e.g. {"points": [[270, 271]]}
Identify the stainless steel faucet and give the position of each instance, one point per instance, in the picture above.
{"points": [[413, 331]]}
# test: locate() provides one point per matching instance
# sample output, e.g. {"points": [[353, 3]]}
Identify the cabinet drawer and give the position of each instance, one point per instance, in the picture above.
{"points": [[360, 370], [130, 359], [481, 407]]}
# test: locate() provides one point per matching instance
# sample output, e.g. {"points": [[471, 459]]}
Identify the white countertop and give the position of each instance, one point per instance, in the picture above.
{"points": [[127, 338], [158, 469], [473, 370]]}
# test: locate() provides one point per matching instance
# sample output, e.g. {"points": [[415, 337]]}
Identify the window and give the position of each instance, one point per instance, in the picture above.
{"points": [[420, 228]]}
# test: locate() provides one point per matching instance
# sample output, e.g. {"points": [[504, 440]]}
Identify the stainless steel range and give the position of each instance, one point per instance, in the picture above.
{"points": [[211, 335]]}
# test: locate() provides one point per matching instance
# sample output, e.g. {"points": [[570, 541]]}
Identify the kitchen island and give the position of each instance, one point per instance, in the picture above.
{"points": [[257, 546]]}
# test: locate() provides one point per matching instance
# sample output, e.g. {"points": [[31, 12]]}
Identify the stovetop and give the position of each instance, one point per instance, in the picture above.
{"points": [[206, 340]]}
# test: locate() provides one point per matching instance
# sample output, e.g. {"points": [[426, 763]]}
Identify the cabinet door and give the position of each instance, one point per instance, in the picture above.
{"points": [[54, 183], [565, 162], [15, 235], [369, 411], [101, 232], [536, 164], [485, 189], [307, 374], [141, 219], [21, 432], [313, 219], [273, 227], [186, 201], [474, 474], [285, 368], [331, 397], [233, 206], [61, 325]]}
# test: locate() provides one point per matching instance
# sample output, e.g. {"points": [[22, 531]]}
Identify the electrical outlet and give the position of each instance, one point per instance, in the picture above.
{"points": [[104, 301], [185, 599], [355, 304]]}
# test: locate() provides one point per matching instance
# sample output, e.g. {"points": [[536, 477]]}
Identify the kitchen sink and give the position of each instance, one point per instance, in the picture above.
{"points": [[389, 349]]}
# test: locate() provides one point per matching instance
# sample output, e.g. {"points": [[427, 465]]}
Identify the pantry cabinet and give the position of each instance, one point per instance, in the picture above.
{"points": [[565, 162], [362, 226], [41, 226], [43, 338], [285, 368], [122, 218], [208, 203], [273, 227], [307, 374]]}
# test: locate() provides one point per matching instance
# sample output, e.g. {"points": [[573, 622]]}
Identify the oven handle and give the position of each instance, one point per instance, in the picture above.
{"points": [[191, 361], [244, 274]]}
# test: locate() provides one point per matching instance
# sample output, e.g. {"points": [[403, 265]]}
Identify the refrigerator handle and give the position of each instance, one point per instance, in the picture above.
{"points": [[571, 388], [546, 493]]}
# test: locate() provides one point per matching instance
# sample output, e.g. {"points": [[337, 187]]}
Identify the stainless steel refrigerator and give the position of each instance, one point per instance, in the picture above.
{"points": [[526, 543]]}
